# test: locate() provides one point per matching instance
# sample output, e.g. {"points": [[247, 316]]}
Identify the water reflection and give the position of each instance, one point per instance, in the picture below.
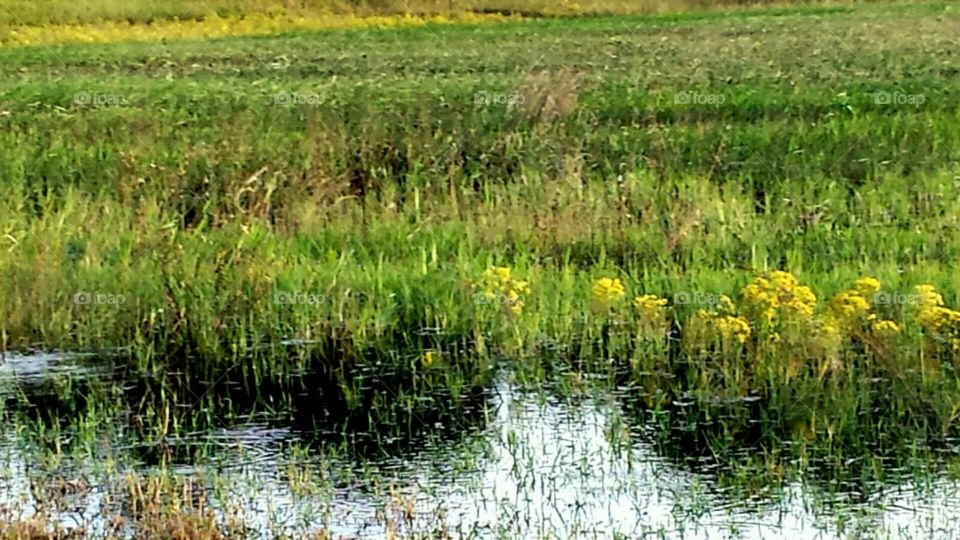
{"points": [[534, 466]]}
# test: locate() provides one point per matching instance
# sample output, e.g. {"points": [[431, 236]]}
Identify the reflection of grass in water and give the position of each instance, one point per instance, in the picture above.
{"points": [[159, 500]]}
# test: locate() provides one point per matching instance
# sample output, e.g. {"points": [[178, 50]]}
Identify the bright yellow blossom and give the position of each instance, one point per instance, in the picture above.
{"points": [[428, 359], [867, 286], [848, 306], [928, 296], [938, 318], [932, 314], [886, 327], [779, 296], [726, 326], [498, 286], [650, 306], [732, 327], [606, 291], [726, 305]]}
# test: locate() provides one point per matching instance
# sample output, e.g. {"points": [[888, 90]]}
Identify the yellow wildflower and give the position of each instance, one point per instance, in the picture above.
{"points": [[428, 359], [650, 306], [849, 305], [760, 298], [886, 327], [867, 286], [783, 280], [727, 326], [726, 305], [829, 329], [514, 302], [928, 295], [498, 286], [732, 327], [937, 318], [932, 314], [780, 294], [606, 291]]}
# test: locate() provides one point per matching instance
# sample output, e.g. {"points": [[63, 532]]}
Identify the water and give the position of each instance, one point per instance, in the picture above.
{"points": [[536, 466]]}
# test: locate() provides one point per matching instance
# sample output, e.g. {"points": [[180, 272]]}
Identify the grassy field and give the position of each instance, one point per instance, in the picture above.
{"points": [[19, 12], [684, 153], [98, 21], [431, 203]]}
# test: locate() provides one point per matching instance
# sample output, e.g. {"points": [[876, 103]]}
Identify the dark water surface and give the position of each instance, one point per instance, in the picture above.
{"points": [[531, 465]]}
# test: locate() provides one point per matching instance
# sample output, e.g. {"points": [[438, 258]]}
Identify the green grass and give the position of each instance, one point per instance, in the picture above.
{"points": [[168, 173]]}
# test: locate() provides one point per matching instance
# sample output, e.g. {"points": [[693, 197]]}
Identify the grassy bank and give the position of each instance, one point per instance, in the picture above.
{"points": [[205, 205]]}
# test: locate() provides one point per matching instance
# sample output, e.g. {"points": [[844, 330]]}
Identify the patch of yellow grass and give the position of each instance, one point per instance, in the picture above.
{"points": [[216, 26]]}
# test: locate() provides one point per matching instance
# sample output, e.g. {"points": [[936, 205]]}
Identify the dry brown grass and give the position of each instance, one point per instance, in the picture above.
{"points": [[34, 528], [546, 97]]}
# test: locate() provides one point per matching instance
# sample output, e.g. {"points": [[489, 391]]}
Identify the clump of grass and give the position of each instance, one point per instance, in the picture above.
{"points": [[35, 528]]}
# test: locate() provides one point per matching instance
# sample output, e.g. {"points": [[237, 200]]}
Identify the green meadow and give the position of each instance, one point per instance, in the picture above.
{"points": [[366, 229]]}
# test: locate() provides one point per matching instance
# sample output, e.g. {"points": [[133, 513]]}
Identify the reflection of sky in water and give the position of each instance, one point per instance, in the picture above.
{"points": [[540, 468]]}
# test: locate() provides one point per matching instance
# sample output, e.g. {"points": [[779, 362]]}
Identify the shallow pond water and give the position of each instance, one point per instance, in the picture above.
{"points": [[536, 466]]}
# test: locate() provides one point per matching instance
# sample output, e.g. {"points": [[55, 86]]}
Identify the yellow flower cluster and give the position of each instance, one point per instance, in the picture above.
{"points": [[867, 286], [733, 327], [499, 286], [886, 327], [607, 291], [215, 26], [651, 307], [779, 295], [932, 314], [725, 322], [852, 309], [848, 306], [768, 302]]}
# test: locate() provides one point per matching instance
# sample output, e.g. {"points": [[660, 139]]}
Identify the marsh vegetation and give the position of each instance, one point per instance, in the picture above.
{"points": [[686, 275]]}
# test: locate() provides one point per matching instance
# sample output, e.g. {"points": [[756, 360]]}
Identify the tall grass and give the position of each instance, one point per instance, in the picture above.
{"points": [[327, 201]]}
